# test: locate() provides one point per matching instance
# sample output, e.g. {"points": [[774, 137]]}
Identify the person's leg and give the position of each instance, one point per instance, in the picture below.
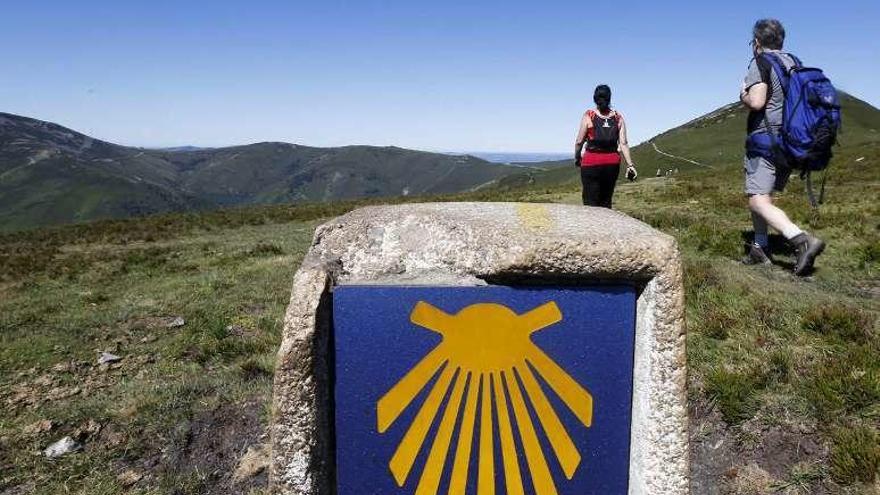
{"points": [[759, 225], [757, 253], [806, 246], [761, 180], [590, 182], [609, 181], [762, 206]]}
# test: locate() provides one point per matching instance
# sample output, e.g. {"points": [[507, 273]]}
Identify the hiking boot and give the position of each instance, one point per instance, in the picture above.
{"points": [[755, 255], [806, 248]]}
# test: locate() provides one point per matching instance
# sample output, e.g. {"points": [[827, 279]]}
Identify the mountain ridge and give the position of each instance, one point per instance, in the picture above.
{"points": [[50, 174]]}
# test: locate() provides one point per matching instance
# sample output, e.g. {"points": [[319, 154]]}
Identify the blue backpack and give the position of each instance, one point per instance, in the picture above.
{"points": [[811, 117]]}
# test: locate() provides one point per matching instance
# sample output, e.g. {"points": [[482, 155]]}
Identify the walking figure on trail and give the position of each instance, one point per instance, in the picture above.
{"points": [[765, 164], [603, 130]]}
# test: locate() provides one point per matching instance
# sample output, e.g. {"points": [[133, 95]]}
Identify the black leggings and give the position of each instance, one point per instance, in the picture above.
{"points": [[599, 182]]}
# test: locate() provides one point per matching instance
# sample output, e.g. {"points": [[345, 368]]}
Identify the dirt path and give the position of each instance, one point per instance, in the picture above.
{"points": [[676, 157]]}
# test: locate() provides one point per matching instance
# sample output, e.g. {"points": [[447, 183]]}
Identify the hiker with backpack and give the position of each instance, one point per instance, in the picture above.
{"points": [[603, 130], [793, 121]]}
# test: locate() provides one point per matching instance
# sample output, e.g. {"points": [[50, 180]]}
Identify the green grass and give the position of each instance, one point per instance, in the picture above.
{"points": [[856, 455], [845, 322], [736, 393], [231, 286]]}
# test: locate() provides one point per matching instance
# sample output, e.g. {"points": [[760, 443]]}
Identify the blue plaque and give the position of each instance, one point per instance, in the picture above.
{"points": [[483, 390]]}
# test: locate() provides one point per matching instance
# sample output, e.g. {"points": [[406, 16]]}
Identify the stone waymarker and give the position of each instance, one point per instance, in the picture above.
{"points": [[483, 348]]}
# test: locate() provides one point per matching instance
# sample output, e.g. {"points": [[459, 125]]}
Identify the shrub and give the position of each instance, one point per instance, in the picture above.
{"points": [[712, 239], [665, 220], [265, 249], [735, 393], [847, 323], [868, 254], [150, 258], [255, 368], [855, 455], [699, 275], [716, 324], [845, 382], [780, 365]]}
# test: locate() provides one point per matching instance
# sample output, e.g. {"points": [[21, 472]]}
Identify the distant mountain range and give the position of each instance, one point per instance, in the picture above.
{"points": [[183, 148], [52, 175], [516, 158]]}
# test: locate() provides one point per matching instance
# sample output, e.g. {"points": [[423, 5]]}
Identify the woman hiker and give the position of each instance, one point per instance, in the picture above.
{"points": [[604, 132]]}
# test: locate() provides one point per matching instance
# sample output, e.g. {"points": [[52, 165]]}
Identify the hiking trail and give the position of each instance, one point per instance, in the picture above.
{"points": [[676, 157]]}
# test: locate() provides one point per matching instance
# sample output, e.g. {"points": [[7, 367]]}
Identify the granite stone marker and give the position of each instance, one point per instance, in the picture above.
{"points": [[483, 348]]}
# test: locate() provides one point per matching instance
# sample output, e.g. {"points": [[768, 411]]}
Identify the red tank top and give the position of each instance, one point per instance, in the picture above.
{"points": [[595, 157]]}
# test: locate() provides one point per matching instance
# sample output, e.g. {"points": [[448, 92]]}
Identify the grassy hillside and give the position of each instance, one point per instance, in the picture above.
{"points": [[717, 138], [713, 140], [51, 175], [784, 382]]}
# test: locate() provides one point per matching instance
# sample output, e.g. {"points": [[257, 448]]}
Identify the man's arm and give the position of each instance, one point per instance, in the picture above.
{"points": [[754, 97], [580, 139], [753, 93]]}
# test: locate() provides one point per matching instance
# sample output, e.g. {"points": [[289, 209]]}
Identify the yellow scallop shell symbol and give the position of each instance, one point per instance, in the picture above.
{"points": [[489, 361]]}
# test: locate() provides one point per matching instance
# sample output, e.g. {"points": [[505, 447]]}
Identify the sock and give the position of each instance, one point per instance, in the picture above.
{"points": [[760, 226], [761, 240], [792, 232]]}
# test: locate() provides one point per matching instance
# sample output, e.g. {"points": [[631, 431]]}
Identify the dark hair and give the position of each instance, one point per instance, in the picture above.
{"points": [[602, 97], [770, 33]]}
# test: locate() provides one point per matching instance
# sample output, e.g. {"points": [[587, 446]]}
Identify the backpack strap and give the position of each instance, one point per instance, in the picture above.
{"points": [[768, 59], [814, 202], [779, 68], [611, 115], [779, 158]]}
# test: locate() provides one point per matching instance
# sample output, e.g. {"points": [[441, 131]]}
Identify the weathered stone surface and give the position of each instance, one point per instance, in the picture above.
{"points": [[107, 358], [39, 427], [176, 322], [252, 463], [62, 447], [478, 244], [129, 477]]}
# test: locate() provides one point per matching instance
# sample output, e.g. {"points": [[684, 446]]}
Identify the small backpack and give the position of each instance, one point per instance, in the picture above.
{"points": [[606, 133], [810, 117]]}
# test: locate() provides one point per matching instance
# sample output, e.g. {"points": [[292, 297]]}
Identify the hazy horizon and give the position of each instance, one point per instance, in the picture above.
{"points": [[500, 78]]}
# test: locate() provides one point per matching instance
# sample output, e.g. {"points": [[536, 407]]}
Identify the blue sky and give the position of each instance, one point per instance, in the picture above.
{"points": [[483, 76]]}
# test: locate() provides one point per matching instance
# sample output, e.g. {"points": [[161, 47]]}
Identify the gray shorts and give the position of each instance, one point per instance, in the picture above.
{"points": [[762, 177]]}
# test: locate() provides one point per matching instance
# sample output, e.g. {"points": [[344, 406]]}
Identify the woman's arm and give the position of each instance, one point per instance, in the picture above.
{"points": [[581, 139], [623, 144]]}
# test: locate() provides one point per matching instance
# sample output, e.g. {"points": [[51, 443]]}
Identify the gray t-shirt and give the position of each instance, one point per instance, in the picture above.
{"points": [[760, 71]]}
